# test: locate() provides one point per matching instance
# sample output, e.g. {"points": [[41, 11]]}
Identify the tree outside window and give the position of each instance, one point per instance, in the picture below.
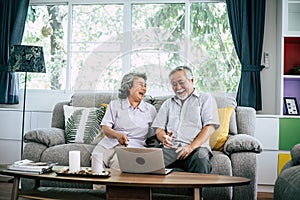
{"points": [[102, 25]]}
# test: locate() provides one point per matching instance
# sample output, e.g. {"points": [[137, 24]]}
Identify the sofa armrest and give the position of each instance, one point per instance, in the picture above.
{"points": [[287, 165], [246, 119], [295, 153], [48, 136], [33, 151], [244, 164], [242, 143]]}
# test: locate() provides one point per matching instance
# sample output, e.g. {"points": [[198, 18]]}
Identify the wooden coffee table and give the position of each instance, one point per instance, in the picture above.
{"points": [[133, 186]]}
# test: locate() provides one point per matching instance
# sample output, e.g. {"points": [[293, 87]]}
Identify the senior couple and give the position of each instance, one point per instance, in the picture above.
{"points": [[183, 124]]}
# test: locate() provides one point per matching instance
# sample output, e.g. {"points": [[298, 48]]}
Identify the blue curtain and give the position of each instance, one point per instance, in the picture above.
{"points": [[247, 21], [12, 21]]}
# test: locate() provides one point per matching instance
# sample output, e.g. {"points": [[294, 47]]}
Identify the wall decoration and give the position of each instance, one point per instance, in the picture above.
{"points": [[291, 106]]}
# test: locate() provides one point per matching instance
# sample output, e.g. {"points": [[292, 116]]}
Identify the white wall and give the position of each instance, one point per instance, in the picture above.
{"points": [[269, 75], [37, 100]]}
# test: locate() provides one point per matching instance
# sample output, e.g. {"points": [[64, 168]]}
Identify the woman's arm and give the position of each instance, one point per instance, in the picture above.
{"points": [[111, 133]]}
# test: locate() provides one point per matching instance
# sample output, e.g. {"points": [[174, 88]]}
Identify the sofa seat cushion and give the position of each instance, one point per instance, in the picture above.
{"points": [[221, 163], [60, 154]]}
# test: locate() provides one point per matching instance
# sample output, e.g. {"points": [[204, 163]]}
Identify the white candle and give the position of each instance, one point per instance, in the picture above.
{"points": [[97, 162], [74, 161]]}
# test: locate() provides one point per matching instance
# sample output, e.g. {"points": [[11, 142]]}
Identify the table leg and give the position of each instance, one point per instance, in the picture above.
{"points": [[125, 193], [198, 194], [15, 188], [37, 183]]}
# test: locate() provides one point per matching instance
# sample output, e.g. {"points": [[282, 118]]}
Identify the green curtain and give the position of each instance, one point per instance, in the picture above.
{"points": [[247, 20], [12, 21]]}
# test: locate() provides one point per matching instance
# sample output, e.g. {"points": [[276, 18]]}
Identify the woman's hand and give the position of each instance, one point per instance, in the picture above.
{"points": [[122, 139], [109, 132]]}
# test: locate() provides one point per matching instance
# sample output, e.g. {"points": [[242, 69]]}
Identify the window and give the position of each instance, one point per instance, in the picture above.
{"points": [[46, 26], [91, 47], [94, 44]]}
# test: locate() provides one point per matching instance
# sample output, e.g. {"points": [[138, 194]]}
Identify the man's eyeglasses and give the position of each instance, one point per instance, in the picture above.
{"points": [[180, 82]]}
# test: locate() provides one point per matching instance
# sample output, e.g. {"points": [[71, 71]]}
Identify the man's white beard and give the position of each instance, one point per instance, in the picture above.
{"points": [[182, 95]]}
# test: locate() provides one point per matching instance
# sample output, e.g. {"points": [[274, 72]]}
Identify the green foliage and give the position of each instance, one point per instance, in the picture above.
{"points": [[31, 15], [210, 31], [72, 126], [91, 131], [94, 23]]}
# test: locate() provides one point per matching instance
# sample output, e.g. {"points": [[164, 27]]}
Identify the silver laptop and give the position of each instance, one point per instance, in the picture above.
{"points": [[141, 160]]}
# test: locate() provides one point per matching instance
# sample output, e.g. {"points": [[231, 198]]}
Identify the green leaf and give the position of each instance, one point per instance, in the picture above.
{"points": [[72, 126]]}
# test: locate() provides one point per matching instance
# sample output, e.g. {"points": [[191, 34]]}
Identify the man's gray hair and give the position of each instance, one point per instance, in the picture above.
{"points": [[188, 72], [127, 83]]}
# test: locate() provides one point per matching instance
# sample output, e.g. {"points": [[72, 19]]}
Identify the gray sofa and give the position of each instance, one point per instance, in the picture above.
{"points": [[287, 185], [237, 159]]}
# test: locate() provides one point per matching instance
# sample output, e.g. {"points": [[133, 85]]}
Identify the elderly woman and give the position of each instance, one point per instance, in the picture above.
{"points": [[127, 120]]}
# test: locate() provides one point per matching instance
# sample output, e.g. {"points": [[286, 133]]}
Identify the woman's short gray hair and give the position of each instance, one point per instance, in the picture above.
{"points": [[127, 83], [188, 72]]}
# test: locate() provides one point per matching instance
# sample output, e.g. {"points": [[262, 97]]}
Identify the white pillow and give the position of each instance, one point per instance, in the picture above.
{"points": [[82, 125]]}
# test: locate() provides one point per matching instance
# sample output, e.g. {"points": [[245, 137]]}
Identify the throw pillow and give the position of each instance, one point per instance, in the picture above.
{"points": [[242, 143], [219, 137], [82, 125]]}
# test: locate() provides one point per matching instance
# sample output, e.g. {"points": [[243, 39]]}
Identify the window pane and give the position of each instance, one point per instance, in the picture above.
{"points": [[95, 46], [158, 35], [210, 31], [101, 52], [46, 26]]}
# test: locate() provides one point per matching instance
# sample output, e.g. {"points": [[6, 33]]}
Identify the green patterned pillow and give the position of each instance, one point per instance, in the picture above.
{"points": [[82, 125]]}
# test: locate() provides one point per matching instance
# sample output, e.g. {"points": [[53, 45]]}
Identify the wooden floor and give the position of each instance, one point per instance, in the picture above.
{"points": [[6, 186], [264, 196]]}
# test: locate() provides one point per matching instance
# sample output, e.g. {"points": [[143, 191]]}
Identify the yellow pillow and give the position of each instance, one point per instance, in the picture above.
{"points": [[105, 105], [219, 137]]}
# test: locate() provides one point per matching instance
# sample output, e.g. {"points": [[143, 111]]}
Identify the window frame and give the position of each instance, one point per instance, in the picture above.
{"points": [[127, 4]]}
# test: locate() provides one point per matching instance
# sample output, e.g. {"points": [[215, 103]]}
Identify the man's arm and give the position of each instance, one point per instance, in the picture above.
{"points": [[202, 137]]}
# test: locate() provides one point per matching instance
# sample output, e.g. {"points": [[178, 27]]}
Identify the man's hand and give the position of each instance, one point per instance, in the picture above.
{"points": [[184, 152], [122, 139], [167, 140]]}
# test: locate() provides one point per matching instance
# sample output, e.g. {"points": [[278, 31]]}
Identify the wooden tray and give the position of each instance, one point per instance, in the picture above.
{"points": [[83, 173]]}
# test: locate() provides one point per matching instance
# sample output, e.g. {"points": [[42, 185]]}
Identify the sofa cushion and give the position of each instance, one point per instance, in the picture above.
{"points": [[83, 124], [60, 154], [242, 143], [158, 101], [92, 99], [223, 101], [219, 137]]}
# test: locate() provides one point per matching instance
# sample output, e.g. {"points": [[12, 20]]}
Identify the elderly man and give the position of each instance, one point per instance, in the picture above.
{"points": [[184, 124]]}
